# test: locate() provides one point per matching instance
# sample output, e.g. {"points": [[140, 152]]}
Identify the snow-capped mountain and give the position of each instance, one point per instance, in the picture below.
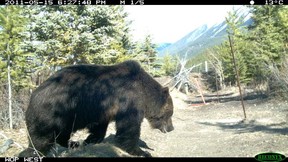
{"points": [[203, 37], [162, 46]]}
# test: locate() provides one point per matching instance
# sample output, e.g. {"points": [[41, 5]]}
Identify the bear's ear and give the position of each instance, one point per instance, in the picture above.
{"points": [[165, 90]]}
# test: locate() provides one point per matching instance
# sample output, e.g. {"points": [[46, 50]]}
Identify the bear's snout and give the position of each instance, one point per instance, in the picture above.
{"points": [[167, 127]]}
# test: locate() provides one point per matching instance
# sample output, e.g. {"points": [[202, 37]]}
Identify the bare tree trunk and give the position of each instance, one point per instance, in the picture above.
{"points": [[217, 65], [9, 92], [237, 76], [8, 52]]}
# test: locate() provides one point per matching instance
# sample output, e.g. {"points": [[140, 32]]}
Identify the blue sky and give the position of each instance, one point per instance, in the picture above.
{"points": [[169, 23]]}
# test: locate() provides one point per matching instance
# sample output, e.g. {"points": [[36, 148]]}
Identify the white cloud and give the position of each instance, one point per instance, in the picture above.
{"points": [[169, 23]]}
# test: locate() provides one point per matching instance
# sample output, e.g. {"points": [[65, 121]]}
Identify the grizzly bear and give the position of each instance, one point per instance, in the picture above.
{"points": [[91, 96]]}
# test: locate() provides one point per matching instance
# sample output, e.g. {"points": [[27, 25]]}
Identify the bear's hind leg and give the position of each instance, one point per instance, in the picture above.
{"points": [[40, 144]]}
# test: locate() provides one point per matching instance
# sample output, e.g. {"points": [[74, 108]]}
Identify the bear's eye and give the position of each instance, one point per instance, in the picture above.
{"points": [[158, 118]]}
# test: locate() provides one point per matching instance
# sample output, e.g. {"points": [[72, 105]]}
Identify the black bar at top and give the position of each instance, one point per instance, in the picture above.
{"points": [[138, 2]]}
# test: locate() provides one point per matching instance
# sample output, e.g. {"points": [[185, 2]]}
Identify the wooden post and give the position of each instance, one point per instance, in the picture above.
{"points": [[206, 67], [217, 88], [237, 76], [200, 90]]}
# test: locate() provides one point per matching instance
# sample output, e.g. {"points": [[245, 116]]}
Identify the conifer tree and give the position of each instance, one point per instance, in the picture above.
{"points": [[169, 65], [146, 53], [13, 59], [267, 38], [81, 34], [236, 31], [267, 34]]}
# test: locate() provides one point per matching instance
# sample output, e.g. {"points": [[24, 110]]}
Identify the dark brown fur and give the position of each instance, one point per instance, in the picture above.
{"points": [[91, 96]]}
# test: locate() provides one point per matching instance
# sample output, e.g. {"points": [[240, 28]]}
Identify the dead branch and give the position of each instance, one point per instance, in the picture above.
{"points": [[6, 138]]}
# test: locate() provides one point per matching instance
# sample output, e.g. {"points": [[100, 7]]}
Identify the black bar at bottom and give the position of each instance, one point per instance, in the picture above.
{"points": [[83, 159]]}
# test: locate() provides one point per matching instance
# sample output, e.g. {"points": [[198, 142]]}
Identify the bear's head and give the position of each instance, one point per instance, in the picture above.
{"points": [[163, 119]]}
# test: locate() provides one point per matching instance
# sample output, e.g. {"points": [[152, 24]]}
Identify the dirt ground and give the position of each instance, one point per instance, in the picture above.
{"points": [[211, 130], [218, 130]]}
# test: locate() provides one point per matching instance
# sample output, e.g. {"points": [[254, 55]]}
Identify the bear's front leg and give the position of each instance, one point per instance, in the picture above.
{"points": [[128, 124], [97, 132]]}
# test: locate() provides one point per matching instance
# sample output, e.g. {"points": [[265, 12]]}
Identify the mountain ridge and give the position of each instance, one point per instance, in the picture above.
{"points": [[203, 37]]}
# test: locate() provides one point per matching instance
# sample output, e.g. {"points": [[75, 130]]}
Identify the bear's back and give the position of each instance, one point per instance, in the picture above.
{"points": [[87, 73]]}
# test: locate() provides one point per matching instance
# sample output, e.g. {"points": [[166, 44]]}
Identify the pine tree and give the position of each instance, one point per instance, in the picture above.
{"points": [[267, 38], [12, 45], [81, 34], [147, 55], [267, 34], [13, 59], [236, 31], [169, 65]]}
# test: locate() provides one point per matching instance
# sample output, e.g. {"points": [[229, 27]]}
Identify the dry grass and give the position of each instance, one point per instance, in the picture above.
{"points": [[19, 138]]}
